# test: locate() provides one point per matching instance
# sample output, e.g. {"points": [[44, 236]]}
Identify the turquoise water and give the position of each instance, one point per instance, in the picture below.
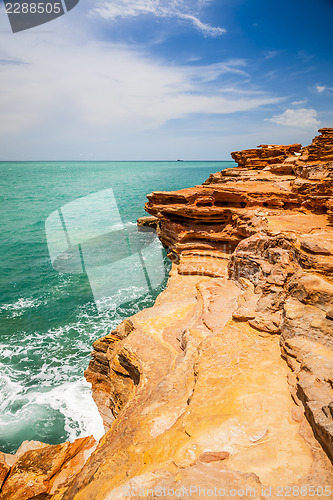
{"points": [[48, 319]]}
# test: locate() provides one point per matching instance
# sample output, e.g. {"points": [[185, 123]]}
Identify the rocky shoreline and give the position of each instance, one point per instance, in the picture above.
{"points": [[226, 383]]}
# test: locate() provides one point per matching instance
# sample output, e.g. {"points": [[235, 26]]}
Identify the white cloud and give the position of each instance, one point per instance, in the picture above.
{"points": [[271, 54], [111, 87], [204, 28], [178, 9], [323, 89], [62, 93], [320, 88], [298, 118], [298, 103]]}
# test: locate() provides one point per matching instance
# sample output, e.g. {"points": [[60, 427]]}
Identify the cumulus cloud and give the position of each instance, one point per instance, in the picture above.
{"points": [[179, 9], [298, 118]]}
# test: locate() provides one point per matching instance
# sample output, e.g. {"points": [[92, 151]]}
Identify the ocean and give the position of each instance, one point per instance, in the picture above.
{"points": [[50, 314]]}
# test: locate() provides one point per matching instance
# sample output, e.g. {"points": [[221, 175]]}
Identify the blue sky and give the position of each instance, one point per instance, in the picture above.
{"points": [[157, 79]]}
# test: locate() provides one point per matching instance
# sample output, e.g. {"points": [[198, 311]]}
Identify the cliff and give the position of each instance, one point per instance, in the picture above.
{"points": [[225, 385]]}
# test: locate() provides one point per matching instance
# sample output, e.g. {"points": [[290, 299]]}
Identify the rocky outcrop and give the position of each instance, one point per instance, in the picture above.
{"points": [[147, 222], [37, 469], [321, 149], [228, 377], [225, 386], [265, 154], [237, 203], [112, 374], [212, 407], [275, 220]]}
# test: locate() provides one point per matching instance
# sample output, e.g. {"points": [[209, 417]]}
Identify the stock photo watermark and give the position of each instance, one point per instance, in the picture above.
{"points": [[195, 491], [23, 14], [88, 236]]}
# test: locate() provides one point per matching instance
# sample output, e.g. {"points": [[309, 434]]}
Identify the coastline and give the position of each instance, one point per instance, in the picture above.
{"points": [[44, 314], [200, 393]]}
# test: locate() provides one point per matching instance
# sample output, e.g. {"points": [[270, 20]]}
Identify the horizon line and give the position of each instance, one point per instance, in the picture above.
{"points": [[113, 161]]}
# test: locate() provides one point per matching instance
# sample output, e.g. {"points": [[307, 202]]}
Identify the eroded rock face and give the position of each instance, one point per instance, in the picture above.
{"points": [[227, 381], [265, 154], [225, 384], [37, 469], [213, 407], [321, 149]]}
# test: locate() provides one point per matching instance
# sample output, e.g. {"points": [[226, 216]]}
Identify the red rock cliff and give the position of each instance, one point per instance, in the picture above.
{"points": [[226, 383]]}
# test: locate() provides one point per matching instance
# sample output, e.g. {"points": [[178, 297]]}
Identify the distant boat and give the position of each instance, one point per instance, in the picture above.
{"points": [[180, 160]]}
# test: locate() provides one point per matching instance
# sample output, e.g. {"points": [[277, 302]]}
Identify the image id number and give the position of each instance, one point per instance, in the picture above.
{"points": [[303, 491], [33, 8]]}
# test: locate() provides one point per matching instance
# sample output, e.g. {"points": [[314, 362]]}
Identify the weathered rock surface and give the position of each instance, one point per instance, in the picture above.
{"points": [[265, 154], [321, 149], [37, 469], [147, 222], [212, 407], [226, 384]]}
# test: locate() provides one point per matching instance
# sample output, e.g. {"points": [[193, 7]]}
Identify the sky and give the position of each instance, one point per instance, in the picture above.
{"points": [[166, 79]]}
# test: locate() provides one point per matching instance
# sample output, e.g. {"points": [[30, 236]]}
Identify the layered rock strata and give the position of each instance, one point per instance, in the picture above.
{"points": [[225, 386], [37, 469], [276, 222], [266, 154]]}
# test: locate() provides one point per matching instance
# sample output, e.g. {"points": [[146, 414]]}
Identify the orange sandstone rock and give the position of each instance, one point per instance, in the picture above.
{"points": [[321, 148], [198, 385], [226, 382], [268, 154], [37, 470]]}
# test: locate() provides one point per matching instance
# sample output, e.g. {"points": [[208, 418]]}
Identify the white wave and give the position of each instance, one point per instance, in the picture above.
{"points": [[32, 393], [75, 402], [21, 305], [6, 352], [9, 391]]}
